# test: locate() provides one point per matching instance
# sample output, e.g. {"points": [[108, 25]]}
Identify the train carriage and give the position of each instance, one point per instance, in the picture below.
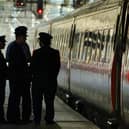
{"points": [[93, 45]]}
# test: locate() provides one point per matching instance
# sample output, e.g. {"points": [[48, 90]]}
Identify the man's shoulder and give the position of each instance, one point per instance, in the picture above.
{"points": [[11, 44], [37, 50], [55, 50]]}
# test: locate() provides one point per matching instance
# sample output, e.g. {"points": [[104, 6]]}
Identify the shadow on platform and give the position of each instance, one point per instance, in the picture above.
{"points": [[30, 126]]}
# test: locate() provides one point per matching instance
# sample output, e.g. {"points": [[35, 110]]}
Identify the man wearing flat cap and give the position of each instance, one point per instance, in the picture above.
{"points": [[18, 55], [3, 77], [45, 67]]}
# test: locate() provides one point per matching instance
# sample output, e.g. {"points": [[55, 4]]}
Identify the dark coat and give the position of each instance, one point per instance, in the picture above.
{"points": [[3, 67], [45, 67], [18, 56]]}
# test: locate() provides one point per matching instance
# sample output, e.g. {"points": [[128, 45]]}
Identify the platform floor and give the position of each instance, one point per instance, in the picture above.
{"points": [[65, 118]]}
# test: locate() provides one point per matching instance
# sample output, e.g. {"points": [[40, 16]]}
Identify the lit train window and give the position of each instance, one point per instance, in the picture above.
{"points": [[98, 46]]}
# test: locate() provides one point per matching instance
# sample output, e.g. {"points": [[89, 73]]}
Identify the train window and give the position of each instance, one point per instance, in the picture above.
{"points": [[98, 46]]}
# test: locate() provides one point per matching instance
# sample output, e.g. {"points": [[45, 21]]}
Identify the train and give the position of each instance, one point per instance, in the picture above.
{"points": [[94, 47]]}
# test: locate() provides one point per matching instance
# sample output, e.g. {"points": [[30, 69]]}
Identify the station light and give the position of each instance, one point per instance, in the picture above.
{"points": [[40, 11], [39, 8]]}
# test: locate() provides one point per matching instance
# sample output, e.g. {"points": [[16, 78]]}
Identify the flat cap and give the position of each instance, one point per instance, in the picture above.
{"points": [[44, 35], [2, 38], [21, 30]]}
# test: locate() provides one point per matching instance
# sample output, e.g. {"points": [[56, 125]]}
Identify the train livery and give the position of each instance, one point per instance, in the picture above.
{"points": [[94, 47]]}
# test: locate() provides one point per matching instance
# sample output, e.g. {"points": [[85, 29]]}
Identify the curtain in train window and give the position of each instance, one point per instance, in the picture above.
{"points": [[54, 40], [81, 42], [110, 44], [94, 46], [88, 43], [62, 41], [105, 39], [66, 40], [99, 45], [84, 47], [75, 46], [65, 43]]}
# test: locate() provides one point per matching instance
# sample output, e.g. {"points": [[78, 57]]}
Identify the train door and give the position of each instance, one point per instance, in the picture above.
{"points": [[119, 77], [125, 75]]}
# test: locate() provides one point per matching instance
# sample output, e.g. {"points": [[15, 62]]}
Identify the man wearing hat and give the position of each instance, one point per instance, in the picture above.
{"points": [[3, 77], [18, 55], [45, 67]]}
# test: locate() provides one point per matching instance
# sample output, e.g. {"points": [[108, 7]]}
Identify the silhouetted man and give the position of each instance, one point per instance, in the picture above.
{"points": [[45, 67], [3, 77], [18, 55]]}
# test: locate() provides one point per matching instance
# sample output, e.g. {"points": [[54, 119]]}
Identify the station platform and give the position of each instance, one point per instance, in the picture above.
{"points": [[65, 118]]}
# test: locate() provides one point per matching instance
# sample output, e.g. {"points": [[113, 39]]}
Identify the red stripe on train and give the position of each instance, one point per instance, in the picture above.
{"points": [[113, 83]]}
